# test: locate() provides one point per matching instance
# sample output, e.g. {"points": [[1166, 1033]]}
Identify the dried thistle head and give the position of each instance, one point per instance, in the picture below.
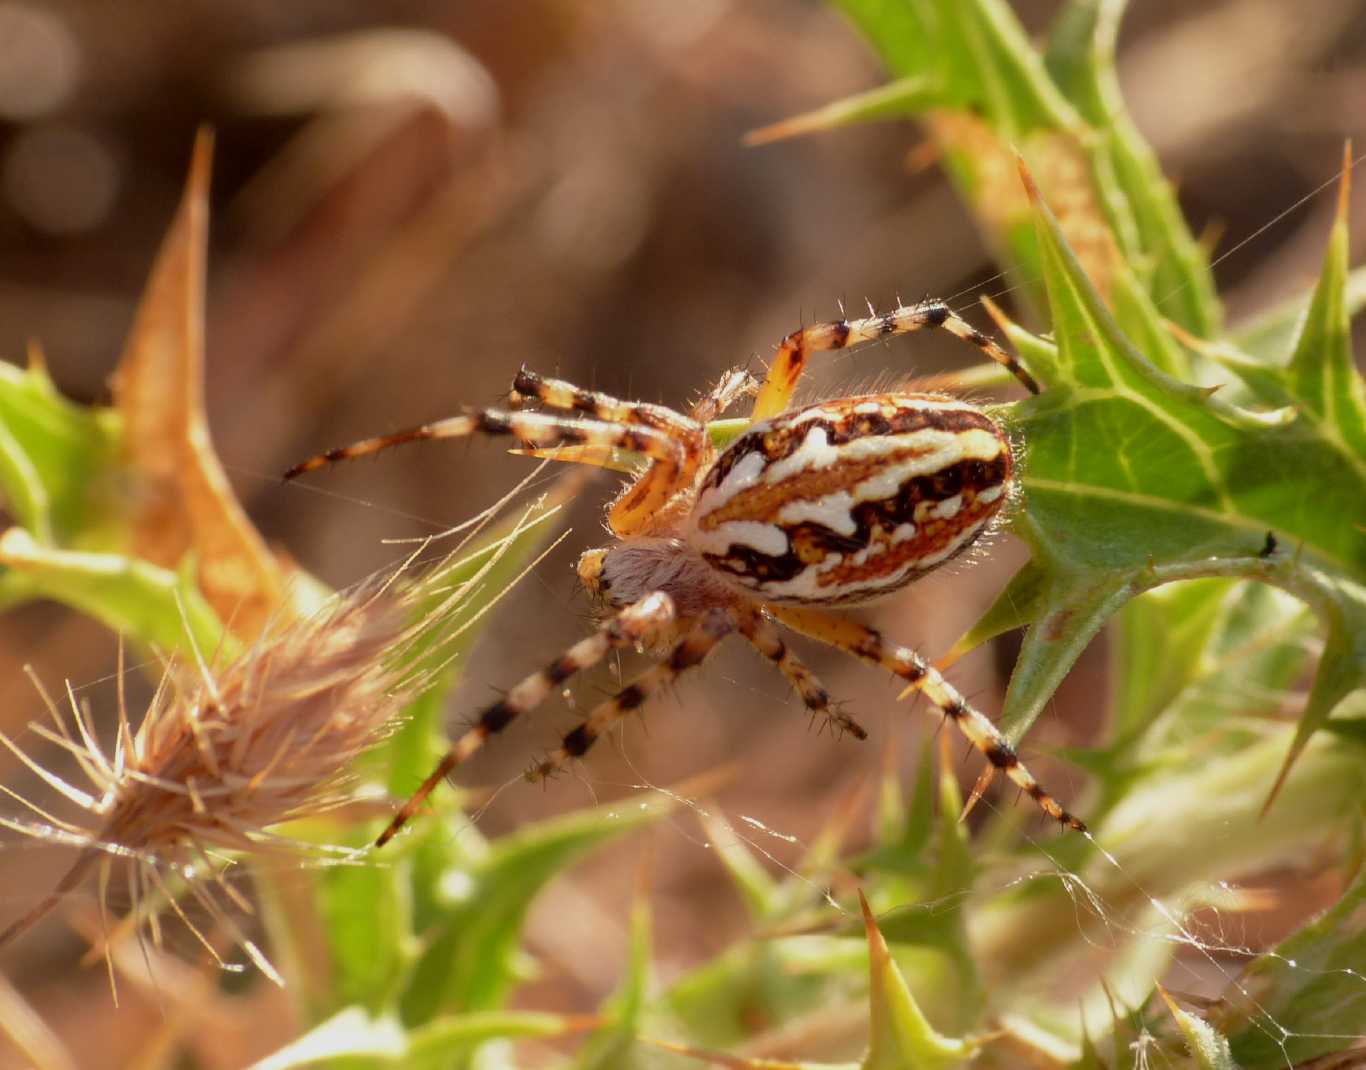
{"points": [[221, 756]]}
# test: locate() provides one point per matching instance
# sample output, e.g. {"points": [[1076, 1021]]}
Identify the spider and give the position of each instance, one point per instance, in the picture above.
{"points": [[833, 504]]}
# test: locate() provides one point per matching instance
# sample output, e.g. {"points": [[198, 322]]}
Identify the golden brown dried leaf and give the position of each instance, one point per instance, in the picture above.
{"points": [[183, 501]]}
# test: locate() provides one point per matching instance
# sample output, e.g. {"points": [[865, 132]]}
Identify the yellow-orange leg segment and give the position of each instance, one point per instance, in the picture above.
{"points": [[796, 349], [644, 623], [768, 640], [709, 629], [868, 644]]}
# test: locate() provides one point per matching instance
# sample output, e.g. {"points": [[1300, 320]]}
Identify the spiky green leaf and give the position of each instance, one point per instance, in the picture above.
{"points": [[1134, 479], [56, 459], [900, 1035]]}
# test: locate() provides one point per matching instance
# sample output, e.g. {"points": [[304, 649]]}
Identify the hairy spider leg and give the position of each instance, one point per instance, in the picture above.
{"points": [[697, 643], [725, 392], [796, 349], [565, 396], [730, 388], [642, 623], [868, 645], [768, 640], [539, 429], [560, 394]]}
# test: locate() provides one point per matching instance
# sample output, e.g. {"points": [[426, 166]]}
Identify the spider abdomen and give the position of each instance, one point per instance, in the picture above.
{"points": [[849, 500]]}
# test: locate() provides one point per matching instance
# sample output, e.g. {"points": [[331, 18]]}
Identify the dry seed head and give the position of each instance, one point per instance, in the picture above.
{"points": [[269, 737], [222, 756]]}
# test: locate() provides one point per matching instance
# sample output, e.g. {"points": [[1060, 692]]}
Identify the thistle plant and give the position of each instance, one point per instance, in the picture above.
{"points": [[1197, 489]]}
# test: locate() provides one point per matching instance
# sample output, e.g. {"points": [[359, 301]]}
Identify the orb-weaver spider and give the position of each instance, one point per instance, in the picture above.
{"points": [[833, 504]]}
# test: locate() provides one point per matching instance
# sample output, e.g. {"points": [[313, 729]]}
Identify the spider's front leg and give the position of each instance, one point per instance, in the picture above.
{"points": [[566, 397], [725, 392], [796, 349], [532, 429], [669, 455], [688, 431], [868, 645], [700, 640], [643, 623]]}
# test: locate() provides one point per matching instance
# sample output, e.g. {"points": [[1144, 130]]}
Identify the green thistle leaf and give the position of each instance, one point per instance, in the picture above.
{"points": [[56, 458], [1134, 479], [1210, 1049], [901, 1036]]}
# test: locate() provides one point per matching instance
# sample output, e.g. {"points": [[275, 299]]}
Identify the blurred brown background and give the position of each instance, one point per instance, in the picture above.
{"points": [[413, 198]]}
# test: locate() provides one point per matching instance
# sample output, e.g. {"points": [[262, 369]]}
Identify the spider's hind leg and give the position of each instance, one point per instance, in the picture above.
{"points": [[700, 640], [868, 645], [765, 637], [796, 349], [642, 623]]}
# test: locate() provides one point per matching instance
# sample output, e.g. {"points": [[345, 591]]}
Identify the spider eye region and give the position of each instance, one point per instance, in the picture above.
{"points": [[849, 500]]}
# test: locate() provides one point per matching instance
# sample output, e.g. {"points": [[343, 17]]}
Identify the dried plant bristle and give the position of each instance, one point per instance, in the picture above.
{"points": [[222, 756]]}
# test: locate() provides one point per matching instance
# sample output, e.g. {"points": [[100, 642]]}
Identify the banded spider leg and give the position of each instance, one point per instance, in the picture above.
{"points": [[796, 349], [669, 452], [868, 645], [558, 394], [698, 641], [643, 623], [765, 637]]}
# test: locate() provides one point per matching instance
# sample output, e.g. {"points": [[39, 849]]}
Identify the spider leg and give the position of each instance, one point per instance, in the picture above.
{"points": [[632, 511], [708, 630], [643, 622], [868, 645], [797, 347], [766, 638], [730, 388], [557, 394], [565, 396], [528, 428]]}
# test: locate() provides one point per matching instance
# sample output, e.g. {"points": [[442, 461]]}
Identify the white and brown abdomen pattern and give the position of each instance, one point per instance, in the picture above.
{"points": [[849, 500]]}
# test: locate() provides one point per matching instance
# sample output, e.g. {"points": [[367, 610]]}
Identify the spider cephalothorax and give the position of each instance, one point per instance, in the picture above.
{"points": [[834, 504]]}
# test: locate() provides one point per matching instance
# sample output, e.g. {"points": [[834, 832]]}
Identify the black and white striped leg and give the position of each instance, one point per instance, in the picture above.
{"points": [[644, 623], [868, 645], [697, 643], [535, 429], [768, 640], [565, 396], [795, 351]]}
